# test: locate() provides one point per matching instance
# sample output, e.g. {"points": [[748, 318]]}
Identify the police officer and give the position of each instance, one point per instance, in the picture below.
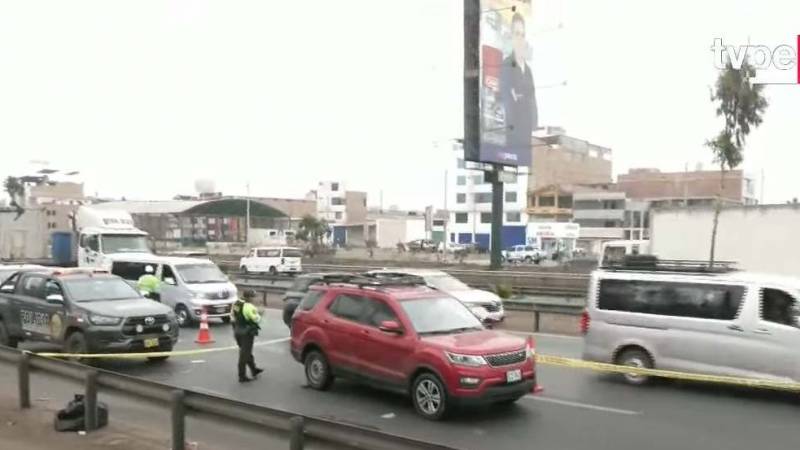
{"points": [[246, 320], [149, 284]]}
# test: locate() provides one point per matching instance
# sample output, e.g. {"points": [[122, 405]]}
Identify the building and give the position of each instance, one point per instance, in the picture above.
{"points": [[551, 203], [469, 203], [689, 188], [48, 209], [559, 159], [222, 219], [338, 206], [605, 215]]}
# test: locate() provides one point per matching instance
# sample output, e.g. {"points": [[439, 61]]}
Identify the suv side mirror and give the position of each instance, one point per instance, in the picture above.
{"points": [[55, 299], [390, 326]]}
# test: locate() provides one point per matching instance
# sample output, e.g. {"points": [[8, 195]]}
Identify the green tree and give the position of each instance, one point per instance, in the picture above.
{"points": [[741, 105], [313, 230], [16, 191]]}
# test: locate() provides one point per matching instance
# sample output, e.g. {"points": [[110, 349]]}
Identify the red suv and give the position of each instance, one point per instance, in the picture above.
{"points": [[405, 337]]}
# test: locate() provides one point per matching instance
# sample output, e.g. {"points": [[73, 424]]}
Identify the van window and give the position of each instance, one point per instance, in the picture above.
{"points": [[130, 271], [269, 253], [292, 253], [166, 272], [779, 307], [704, 301], [262, 253], [33, 286]]}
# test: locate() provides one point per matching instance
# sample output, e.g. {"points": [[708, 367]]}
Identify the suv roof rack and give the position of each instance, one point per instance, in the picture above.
{"points": [[651, 263], [374, 280]]}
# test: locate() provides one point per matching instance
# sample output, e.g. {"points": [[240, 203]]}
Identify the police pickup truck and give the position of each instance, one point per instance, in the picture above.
{"points": [[84, 311]]}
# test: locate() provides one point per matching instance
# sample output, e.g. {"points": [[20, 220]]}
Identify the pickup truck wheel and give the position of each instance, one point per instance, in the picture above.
{"points": [[318, 371], [76, 344], [184, 317], [528, 259], [429, 397], [5, 339]]}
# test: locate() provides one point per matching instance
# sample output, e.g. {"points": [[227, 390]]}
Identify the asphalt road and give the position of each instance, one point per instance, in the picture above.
{"points": [[578, 410]]}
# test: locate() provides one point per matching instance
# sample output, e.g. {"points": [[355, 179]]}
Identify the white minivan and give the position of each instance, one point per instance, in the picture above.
{"points": [[676, 318], [188, 285], [273, 260]]}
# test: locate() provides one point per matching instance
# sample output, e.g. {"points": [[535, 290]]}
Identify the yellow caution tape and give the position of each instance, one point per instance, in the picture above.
{"points": [[613, 368], [549, 360], [136, 355]]}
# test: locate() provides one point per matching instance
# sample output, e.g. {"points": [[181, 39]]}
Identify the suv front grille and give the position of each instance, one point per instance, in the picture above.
{"points": [[129, 327], [506, 359]]}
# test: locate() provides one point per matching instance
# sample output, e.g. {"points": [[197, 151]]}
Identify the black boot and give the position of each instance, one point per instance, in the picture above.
{"points": [[257, 371]]}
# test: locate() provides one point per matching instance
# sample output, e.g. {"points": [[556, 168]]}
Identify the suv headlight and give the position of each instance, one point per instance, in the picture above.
{"points": [[466, 360], [96, 319]]}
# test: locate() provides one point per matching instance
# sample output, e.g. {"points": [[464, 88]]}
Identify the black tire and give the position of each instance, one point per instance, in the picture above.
{"points": [[287, 317], [528, 259], [273, 271], [226, 319], [157, 359], [76, 344], [184, 316], [5, 339], [635, 357], [318, 371], [429, 397], [245, 270]]}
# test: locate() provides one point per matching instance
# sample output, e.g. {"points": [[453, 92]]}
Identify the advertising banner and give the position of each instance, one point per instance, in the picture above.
{"points": [[508, 109]]}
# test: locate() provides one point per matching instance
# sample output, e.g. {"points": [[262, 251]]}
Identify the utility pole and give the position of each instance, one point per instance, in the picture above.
{"points": [[247, 228], [447, 220], [496, 241]]}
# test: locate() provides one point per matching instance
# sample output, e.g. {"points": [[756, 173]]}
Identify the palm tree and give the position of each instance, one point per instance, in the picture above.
{"points": [[742, 105]]}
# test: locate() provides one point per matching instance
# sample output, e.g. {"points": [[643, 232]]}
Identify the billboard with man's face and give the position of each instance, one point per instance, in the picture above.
{"points": [[507, 96]]}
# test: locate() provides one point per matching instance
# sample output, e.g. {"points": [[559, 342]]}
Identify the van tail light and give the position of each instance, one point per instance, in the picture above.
{"points": [[586, 321]]}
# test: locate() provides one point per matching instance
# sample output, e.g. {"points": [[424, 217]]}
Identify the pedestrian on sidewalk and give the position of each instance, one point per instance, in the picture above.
{"points": [[245, 319]]}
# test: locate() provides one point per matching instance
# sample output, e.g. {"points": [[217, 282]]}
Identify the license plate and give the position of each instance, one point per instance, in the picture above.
{"points": [[150, 343], [513, 376]]}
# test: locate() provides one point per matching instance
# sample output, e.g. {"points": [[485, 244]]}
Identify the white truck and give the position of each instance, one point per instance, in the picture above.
{"points": [[758, 238], [104, 233]]}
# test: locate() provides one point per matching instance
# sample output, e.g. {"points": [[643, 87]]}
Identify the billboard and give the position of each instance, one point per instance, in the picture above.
{"points": [[500, 95]]}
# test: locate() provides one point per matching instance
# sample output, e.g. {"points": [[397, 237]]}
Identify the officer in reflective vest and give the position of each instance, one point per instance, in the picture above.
{"points": [[149, 285], [245, 319]]}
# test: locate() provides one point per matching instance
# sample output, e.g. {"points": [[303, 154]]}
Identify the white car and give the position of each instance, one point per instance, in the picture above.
{"points": [[487, 306], [523, 253], [273, 260]]}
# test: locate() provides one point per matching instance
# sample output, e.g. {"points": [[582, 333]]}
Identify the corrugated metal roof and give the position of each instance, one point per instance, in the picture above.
{"points": [[150, 207]]}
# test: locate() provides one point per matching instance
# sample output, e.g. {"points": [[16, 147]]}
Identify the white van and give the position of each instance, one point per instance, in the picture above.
{"points": [[693, 320], [188, 285], [272, 260]]}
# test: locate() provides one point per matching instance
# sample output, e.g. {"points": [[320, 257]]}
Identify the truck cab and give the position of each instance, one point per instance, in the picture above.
{"points": [[84, 311], [105, 233]]}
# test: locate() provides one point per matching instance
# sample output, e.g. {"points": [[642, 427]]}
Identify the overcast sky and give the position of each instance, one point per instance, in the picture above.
{"points": [[146, 96]]}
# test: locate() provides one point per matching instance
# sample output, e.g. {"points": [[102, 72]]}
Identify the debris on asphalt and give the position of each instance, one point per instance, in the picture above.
{"points": [[388, 416]]}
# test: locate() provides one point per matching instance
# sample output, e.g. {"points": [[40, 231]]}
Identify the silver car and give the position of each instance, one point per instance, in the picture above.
{"points": [[733, 323]]}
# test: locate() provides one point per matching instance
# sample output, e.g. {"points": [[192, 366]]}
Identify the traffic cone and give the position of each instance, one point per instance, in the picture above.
{"points": [[204, 333]]}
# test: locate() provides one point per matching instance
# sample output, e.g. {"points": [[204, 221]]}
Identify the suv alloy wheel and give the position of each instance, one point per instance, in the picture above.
{"points": [[429, 396]]}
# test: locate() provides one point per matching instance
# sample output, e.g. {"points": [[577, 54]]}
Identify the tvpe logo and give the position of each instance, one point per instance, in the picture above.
{"points": [[776, 64]]}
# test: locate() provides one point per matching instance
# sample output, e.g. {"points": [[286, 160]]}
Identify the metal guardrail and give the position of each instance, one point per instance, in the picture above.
{"points": [[524, 283], [181, 402]]}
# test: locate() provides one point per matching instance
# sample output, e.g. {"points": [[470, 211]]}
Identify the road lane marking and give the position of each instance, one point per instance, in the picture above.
{"points": [[546, 335], [273, 341], [557, 401]]}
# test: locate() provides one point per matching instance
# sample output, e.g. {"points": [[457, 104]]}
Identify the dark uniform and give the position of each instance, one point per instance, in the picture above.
{"points": [[245, 329]]}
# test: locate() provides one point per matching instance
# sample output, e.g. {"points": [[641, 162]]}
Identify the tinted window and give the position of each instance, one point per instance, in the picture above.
{"points": [[93, 242], [779, 307], [92, 289], [33, 286], [706, 301], [262, 253], [166, 272], [303, 283], [310, 300], [52, 287], [9, 285], [349, 307], [292, 253], [129, 270], [378, 312]]}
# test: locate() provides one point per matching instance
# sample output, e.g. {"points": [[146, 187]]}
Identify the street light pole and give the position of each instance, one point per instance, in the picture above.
{"points": [[247, 228]]}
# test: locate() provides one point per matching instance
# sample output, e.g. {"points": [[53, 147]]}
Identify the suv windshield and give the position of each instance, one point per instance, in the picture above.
{"points": [[440, 315], [447, 283], [96, 289], [201, 273], [124, 243]]}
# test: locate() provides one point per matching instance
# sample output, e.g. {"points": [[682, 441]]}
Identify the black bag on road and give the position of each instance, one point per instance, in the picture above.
{"points": [[71, 418]]}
